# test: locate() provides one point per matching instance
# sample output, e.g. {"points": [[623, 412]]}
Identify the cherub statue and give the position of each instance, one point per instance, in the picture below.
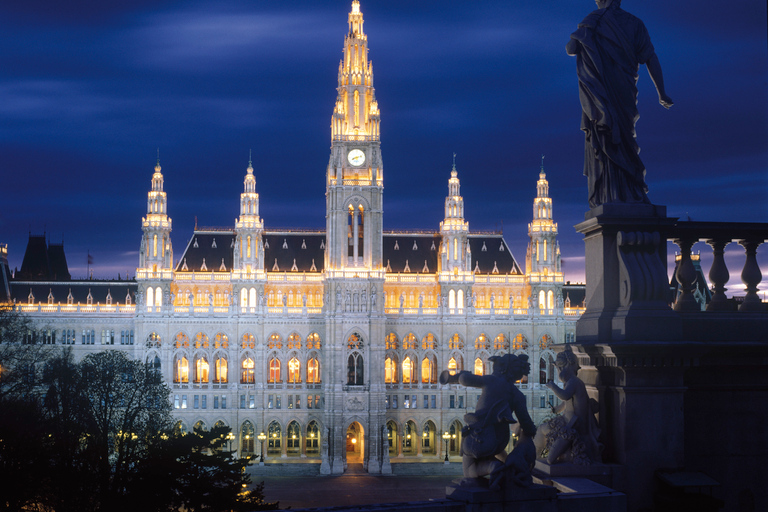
{"points": [[487, 432], [571, 436]]}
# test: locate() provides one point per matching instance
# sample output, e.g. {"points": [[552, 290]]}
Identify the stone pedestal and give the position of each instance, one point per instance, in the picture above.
{"points": [[539, 498], [626, 275]]}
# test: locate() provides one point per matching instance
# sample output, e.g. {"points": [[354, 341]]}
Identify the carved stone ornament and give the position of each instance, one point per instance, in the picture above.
{"points": [[354, 404]]}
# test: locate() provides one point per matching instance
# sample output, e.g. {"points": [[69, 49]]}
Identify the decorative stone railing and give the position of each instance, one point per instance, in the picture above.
{"points": [[718, 235]]}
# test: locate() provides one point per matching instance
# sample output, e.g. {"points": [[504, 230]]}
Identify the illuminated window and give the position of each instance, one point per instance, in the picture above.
{"points": [[274, 371], [501, 343], [313, 371], [182, 370], [201, 370], [275, 341], [247, 341], [201, 340], [313, 341], [479, 367], [294, 341], [550, 301], [221, 370], [313, 438], [452, 299], [481, 342], [519, 343], [542, 298], [158, 297], [545, 342], [294, 371], [150, 298], [428, 370], [460, 300], [390, 342], [409, 342], [455, 343], [247, 439], [407, 371], [453, 367], [390, 370], [354, 342], [274, 438], [243, 297], [182, 341], [428, 342], [247, 376]]}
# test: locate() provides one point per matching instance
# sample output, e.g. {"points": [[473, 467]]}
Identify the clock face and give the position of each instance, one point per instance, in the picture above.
{"points": [[356, 157]]}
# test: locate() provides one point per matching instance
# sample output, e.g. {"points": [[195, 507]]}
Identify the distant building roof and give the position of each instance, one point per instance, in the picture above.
{"points": [[43, 262]]}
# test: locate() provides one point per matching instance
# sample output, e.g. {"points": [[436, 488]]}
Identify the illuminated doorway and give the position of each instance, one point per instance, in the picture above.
{"points": [[355, 442]]}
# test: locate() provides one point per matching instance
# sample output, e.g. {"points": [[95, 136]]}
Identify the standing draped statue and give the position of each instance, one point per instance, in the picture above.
{"points": [[609, 45]]}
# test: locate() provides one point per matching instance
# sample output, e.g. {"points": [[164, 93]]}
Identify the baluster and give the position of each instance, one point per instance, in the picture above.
{"points": [[686, 277], [751, 276], [719, 275]]}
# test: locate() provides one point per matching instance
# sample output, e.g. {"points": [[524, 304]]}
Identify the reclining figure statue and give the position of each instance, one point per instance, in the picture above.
{"points": [[486, 434]]}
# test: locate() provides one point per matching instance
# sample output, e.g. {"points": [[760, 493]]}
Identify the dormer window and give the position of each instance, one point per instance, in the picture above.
{"points": [[109, 298], [70, 298], [89, 299], [50, 296]]}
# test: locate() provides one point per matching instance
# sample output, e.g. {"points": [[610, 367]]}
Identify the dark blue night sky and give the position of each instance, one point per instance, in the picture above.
{"points": [[90, 90]]}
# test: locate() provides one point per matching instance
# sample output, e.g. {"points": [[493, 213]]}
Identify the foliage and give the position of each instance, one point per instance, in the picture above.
{"points": [[97, 435]]}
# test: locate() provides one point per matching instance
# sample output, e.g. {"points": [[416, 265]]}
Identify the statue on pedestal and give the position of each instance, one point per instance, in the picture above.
{"points": [[609, 45], [571, 436], [486, 434]]}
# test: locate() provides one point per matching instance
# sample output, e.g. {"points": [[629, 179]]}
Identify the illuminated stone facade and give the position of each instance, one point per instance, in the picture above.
{"points": [[329, 342]]}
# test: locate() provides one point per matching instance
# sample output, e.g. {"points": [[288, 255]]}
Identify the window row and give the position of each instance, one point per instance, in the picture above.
{"points": [[201, 371], [220, 340], [70, 336]]}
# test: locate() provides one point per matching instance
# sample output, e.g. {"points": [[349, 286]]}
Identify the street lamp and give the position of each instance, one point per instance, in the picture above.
{"points": [[446, 438], [230, 437], [262, 437]]}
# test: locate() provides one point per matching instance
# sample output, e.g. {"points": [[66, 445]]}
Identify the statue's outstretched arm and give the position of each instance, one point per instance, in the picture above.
{"points": [[654, 69], [563, 393]]}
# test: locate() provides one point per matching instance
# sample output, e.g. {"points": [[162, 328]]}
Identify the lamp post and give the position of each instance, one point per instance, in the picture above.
{"points": [[446, 438], [230, 437], [262, 437]]}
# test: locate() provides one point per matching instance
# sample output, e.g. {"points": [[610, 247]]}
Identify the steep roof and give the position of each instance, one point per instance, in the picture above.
{"points": [[60, 290]]}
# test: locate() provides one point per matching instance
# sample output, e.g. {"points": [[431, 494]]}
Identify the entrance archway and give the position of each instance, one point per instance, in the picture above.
{"points": [[355, 441]]}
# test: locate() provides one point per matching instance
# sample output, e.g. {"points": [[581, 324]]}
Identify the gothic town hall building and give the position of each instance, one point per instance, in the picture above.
{"points": [[329, 342]]}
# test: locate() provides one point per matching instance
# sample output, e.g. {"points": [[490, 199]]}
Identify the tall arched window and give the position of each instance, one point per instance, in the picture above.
{"points": [[201, 369], [247, 375], [181, 370], [460, 300], [452, 300], [550, 301], [247, 438], [313, 439], [150, 298], [252, 298], [243, 297], [293, 439], [355, 369], [274, 370], [542, 371], [274, 436], [479, 367], [221, 370], [158, 297], [408, 376], [428, 370], [481, 342], [519, 343], [294, 371], [390, 370], [452, 366], [542, 301], [313, 371]]}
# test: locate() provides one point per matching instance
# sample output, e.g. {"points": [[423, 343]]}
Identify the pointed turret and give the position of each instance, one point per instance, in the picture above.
{"points": [[455, 255], [249, 227]]}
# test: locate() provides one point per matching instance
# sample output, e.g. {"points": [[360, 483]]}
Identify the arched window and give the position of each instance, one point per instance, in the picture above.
{"points": [[391, 342], [294, 370], [550, 300], [274, 370], [428, 441], [150, 298], [248, 341], [428, 370], [313, 371], [243, 298], [542, 299], [158, 297], [182, 341], [313, 341], [390, 370], [221, 370], [519, 343], [274, 436], [313, 439], [293, 439], [275, 341], [201, 369], [179, 428], [355, 369], [181, 374], [201, 340], [452, 366], [247, 438], [455, 343], [409, 342], [252, 298], [501, 343], [481, 342], [153, 340], [455, 433], [545, 342], [428, 342], [542, 371], [200, 425], [452, 299], [479, 367], [221, 341], [247, 376], [294, 341], [460, 300], [408, 376], [410, 438]]}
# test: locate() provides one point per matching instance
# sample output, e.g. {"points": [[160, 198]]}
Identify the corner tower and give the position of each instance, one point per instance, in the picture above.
{"points": [[155, 271], [249, 227], [354, 181]]}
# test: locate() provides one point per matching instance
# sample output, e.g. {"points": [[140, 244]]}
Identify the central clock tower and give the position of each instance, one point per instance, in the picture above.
{"points": [[355, 185]]}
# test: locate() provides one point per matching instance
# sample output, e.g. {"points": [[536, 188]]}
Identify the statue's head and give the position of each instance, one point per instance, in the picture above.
{"points": [[602, 4], [511, 365], [567, 359]]}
